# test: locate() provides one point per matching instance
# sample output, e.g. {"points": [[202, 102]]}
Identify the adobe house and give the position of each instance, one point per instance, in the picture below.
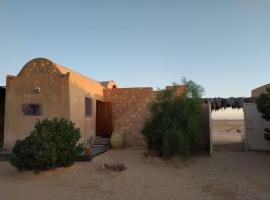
{"points": [[258, 91], [44, 89]]}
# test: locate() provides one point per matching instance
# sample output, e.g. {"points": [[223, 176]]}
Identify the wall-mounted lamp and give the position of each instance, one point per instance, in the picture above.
{"points": [[37, 90]]}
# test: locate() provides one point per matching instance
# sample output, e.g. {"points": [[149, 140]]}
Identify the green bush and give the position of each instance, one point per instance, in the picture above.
{"points": [[175, 122], [263, 105], [52, 144]]}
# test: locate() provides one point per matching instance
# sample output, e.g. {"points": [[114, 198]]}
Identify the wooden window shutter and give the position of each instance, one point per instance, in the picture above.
{"points": [[31, 109], [88, 106]]}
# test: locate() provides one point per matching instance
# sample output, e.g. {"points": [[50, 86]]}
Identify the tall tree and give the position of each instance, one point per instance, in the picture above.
{"points": [[263, 105]]}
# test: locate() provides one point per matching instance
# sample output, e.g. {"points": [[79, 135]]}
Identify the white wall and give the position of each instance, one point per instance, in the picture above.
{"points": [[254, 128]]}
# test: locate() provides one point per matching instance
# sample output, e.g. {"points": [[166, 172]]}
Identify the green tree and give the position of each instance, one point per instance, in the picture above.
{"points": [[53, 143], [175, 121], [263, 105]]}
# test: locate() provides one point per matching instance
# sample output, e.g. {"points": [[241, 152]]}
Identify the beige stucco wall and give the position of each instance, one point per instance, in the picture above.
{"points": [[109, 84], [53, 98], [63, 93], [78, 92]]}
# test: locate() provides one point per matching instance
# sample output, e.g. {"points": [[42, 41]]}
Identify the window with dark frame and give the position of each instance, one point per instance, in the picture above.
{"points": [[88, 106], [31, 109]]}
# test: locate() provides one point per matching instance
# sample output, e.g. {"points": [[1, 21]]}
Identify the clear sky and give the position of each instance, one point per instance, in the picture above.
{"points": [[224, 45]]}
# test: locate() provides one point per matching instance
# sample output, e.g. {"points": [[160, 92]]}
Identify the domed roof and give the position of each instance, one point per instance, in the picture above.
{"points": [[44, 65], [39, 65]]}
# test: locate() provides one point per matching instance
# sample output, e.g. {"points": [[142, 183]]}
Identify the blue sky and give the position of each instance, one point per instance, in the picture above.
{"points": [[222, 45]]}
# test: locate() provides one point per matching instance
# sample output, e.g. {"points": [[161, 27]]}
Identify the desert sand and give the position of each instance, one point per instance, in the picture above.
{"points": [[226, 175], [228, 131]]}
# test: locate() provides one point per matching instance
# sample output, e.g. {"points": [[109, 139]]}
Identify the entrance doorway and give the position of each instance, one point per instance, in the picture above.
{"points": [[104, 119], [228, 132], [2, 114], [227, 123]]}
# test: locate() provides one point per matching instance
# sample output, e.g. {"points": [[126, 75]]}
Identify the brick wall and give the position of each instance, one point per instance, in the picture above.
{"points": [[129, 111], [258, 91], [180, 89]]}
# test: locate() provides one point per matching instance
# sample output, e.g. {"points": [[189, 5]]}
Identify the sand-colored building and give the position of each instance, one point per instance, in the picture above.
{"points": [[44, 89], [256, 92]]}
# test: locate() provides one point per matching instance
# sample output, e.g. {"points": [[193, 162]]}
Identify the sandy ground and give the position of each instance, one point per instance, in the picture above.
{"points": [[226, 175], [228, 131]]}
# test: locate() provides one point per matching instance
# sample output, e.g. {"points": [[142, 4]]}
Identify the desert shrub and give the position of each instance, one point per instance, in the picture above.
{"points": [[53, 143], [175, 121], [263, 105]]}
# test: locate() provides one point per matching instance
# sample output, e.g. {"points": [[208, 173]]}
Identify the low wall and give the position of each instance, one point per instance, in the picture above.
{"points": [[206, 136], [130, 111]]}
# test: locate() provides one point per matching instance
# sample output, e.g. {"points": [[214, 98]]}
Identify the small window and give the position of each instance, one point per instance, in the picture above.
{"points": [[31, 109], [88, 106]]}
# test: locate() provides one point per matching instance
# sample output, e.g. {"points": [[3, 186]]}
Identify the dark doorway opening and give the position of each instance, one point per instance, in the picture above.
{"points": [[104, 119], [2, 114]]}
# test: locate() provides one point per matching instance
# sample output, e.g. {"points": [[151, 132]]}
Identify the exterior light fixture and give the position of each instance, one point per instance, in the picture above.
{"points": [[37, 90]]}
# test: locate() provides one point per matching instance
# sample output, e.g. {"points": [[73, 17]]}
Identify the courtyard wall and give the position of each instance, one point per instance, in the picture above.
{"points": [[130, 111]]}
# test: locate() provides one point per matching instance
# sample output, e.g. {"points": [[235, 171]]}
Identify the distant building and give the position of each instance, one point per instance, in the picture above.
{"points": [[256, 92]]}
